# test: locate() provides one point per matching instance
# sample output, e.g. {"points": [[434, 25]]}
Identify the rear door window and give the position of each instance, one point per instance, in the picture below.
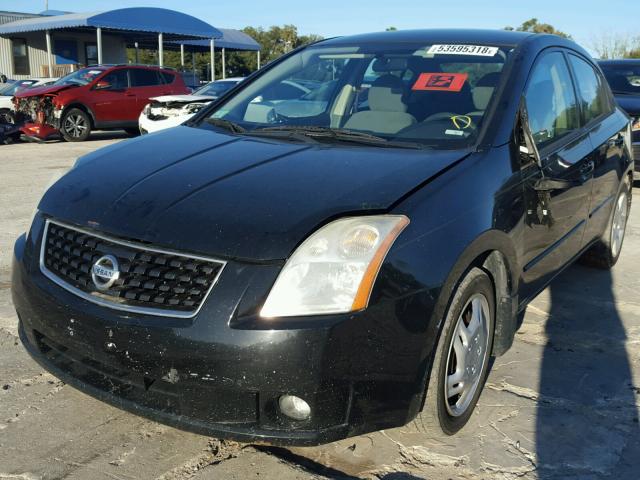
{"points": [[591, 89], [167, 77], [551, 102], [144, 78]]}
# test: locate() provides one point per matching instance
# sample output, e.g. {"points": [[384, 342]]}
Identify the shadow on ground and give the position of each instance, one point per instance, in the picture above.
{"points": [[586, 384]]}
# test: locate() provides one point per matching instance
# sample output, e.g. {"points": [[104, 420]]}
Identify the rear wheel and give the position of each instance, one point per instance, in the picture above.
{"points": [[462, 356], [75, 125], [605, 253]]}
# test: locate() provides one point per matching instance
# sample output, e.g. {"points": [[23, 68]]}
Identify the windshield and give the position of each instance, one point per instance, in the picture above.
{"points": [[80, 77], [433, 95], [623, 78], [215, 89]]}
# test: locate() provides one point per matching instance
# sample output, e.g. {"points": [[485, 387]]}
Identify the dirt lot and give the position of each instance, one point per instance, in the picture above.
{"points": [[563, 403]]}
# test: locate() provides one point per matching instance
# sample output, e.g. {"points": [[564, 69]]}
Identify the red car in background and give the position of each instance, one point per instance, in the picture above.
{"points": [[94, 98]]}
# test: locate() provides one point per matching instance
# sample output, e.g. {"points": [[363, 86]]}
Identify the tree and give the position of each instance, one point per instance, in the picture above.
{"points": [[534, 26], [273, 43], [615, 45], [391, 29]]}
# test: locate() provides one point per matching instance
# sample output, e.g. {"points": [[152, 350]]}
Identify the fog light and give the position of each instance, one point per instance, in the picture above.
{"points": [[294, 407]]}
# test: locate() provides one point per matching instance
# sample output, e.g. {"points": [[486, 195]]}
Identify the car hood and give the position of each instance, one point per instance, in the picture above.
{"points": [[44, 90], [182, 98], [629, 103], [192, 189]]}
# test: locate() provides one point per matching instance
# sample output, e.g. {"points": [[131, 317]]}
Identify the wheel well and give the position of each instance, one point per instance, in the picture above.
{"points": [[80, 106], [494, 263]]}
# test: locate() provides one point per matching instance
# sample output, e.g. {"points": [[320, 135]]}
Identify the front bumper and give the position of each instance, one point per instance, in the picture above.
{"points": [[219, 375], [39, 131]]}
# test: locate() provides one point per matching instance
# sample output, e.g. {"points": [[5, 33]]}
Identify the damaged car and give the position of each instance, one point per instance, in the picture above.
{"points": [[173, 110], [301, 276], [103, 97], [8, 90]]}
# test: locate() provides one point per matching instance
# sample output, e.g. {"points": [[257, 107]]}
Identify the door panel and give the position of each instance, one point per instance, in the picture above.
{"points": [[112, 105], [608, 159], [558, 192], [556, 217], [146, 84]]}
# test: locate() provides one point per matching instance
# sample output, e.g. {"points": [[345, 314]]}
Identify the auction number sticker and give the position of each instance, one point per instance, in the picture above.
{"points": [[477, 50]]}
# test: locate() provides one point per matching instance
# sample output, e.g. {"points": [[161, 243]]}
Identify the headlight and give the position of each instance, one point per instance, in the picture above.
{"points": [[147, 109], [334, 270]]}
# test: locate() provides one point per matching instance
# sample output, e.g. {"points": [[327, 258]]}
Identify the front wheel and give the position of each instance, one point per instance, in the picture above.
{"points": [[606, 252], [462, 356], [75, 125]]}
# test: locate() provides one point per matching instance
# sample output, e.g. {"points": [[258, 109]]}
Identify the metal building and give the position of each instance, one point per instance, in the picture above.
{"points": [[54, 44]]}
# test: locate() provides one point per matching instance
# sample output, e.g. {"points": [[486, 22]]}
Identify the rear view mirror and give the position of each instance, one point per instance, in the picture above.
{"points": [[528, 145]]}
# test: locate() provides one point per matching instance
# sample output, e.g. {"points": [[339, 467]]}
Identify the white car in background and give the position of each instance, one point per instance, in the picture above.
{"points": [[9, 89], [173, 110]]}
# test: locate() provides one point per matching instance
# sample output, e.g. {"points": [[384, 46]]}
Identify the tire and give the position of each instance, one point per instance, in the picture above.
{"points": [[75, 125], [134, 132], [446, 414], [7, 117], [606, 252]]}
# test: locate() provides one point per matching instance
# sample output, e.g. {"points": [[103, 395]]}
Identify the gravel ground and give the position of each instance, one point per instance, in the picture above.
{"points": [[562, 403]]}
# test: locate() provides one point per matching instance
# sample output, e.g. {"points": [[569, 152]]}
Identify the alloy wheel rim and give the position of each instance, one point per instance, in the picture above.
{"points": [[467, 355], [75, 125], [619, 224]]}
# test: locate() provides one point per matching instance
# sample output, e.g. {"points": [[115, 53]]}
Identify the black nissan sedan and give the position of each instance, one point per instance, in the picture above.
{"points": [[624, 79], [300, 270]]}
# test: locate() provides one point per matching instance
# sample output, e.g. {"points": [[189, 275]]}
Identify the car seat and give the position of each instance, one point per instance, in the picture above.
{"points": [[387, 111]]}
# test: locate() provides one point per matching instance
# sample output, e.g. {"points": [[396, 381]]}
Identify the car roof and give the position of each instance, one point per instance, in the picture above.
{"points": [[472, 36]]}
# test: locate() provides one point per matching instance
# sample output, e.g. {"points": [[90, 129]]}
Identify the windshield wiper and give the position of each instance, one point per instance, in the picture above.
{"points": [[226, 124], [340, 134]]}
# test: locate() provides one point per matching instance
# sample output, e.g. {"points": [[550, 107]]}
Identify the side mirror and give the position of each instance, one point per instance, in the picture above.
{"points": [[528, 145], [102, 86]]}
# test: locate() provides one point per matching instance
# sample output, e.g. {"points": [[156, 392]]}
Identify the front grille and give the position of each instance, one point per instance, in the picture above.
{"points": [[150, 280]]}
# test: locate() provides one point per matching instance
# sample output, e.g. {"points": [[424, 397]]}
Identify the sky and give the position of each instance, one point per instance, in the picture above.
{"points": [[585, 20]]}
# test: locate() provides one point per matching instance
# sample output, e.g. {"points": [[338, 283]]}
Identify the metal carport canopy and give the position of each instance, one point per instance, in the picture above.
{"points": [[230, 40], [174, 25]]}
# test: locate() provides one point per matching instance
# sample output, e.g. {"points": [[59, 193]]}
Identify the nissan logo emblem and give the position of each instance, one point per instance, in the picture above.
{"points": [[105, 272]]}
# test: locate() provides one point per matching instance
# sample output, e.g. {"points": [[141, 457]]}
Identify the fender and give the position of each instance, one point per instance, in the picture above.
{"points": [[80, 106]]}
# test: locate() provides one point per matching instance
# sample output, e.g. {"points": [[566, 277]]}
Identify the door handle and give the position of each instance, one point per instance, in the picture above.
{"points": [[546, 184]]}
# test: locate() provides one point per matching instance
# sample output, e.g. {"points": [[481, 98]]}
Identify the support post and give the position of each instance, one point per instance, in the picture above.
{"points": [[99, 44], [137, 45], [49, 54], [224, 64], [212, 51], [182, 55], [160, 51], [258, 60]]}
